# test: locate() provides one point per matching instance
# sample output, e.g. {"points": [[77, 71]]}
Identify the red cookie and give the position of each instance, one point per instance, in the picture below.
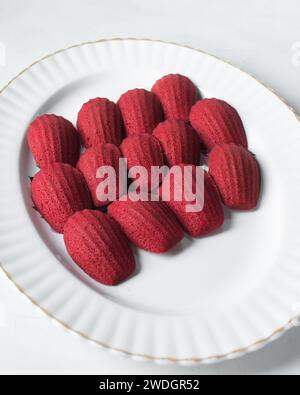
{"points": [[58, 191], [52, 139], [217, 122], [141, 111], [151, 226], [98, 246], [91, 161], [179, 141], [99, 121], [177, 95], [237, 175], [142, 150], [206, 220]]}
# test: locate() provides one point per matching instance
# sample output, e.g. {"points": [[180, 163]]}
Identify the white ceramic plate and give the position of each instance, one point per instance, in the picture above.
{"points": [[212, 298]]}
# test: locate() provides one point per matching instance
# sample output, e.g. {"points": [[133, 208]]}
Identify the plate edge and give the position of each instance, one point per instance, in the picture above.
{"points": [[182, 361]]}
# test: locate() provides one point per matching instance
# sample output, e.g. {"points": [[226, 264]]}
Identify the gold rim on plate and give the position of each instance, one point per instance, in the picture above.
{"points": [[215, 358]]}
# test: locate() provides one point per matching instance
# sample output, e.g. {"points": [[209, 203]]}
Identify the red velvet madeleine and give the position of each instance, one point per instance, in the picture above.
{"points": [[98, 246], [151, 226], [198, 223], [58, 191], [177, 95], [237, 175], [99, 121], [179, 141], [52, 139], [141, 111], [142, 150], [91, 161], [217, 122]]}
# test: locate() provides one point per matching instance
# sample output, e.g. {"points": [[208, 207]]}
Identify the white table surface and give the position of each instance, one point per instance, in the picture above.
{"points": [[256, 35]]}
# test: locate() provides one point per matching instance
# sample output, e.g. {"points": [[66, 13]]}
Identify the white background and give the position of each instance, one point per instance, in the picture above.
{"points": [[256, 35]]}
